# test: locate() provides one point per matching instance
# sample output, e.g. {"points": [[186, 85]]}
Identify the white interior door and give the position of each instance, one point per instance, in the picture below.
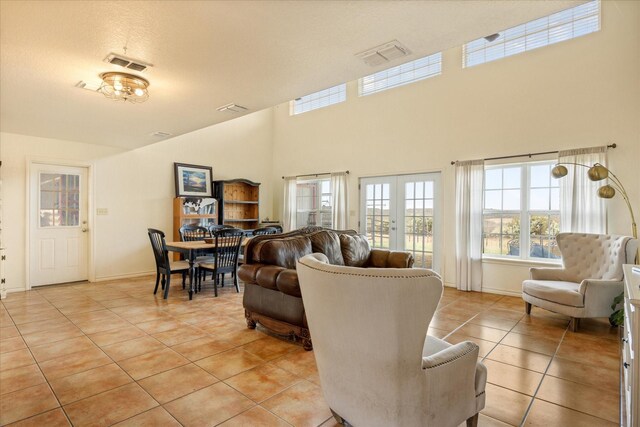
{"points": [[58, 224], [403, 213]]}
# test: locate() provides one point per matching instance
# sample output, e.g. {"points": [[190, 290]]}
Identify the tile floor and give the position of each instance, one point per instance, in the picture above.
{"points": [[112, 353]]}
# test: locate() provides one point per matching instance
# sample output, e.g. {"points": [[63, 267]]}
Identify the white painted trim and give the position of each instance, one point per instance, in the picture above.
{"points": [[501, 292], [90, 214], [520, 262], [124, 276]]}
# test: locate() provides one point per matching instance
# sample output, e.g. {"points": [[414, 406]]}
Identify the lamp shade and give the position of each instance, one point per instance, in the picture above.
{"points": [[124, 87], [559, 171], [598, 172], [606, 192]]}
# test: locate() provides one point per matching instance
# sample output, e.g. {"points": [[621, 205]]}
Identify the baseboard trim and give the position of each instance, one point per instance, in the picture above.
{"points": [[502, 292], [124, 276]]}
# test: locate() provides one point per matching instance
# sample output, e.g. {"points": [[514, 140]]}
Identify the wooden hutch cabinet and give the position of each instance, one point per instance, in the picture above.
{"points": [[238, 203], [193, 211]]}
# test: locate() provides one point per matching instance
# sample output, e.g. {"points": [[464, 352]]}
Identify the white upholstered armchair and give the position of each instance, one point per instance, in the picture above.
{"points": [[591, 276], [376, 363]]}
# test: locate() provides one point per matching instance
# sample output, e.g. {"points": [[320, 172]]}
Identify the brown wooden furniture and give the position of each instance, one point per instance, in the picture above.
{"points": [[193, 211], [238, 203]]}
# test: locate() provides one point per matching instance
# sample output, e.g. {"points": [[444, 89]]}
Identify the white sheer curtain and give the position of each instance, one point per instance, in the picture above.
{"points": [[469, 199], [581, 210], [290, 201], [339, 200]]}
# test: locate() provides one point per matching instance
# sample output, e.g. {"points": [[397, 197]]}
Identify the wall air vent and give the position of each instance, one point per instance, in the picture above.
{"points": [[126, 62], [161, 134], [232, 108], [384, 53]]}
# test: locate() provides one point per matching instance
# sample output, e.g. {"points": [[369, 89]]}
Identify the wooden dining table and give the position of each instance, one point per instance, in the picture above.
{"points": [[189, 250]]}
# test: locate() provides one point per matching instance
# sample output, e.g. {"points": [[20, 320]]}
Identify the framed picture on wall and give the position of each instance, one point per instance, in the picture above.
{"points": [[193, 180]]}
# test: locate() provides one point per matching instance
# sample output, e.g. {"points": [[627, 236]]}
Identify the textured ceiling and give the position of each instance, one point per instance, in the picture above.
{"points": [[209, 53]]}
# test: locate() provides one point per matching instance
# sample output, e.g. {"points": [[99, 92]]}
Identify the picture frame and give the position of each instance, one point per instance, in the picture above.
{"points": [[193, 180]]}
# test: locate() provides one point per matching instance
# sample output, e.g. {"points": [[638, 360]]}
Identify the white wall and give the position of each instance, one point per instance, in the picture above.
{"points": [[137, 187], [580, 93]]}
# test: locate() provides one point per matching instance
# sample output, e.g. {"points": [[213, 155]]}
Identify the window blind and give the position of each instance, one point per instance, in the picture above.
{"points": [[409, 72], [561, 26], [320, 99]]}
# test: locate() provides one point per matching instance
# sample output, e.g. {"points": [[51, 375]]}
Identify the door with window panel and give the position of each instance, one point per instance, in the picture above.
{"points": [[58, 249], [402, 213]]}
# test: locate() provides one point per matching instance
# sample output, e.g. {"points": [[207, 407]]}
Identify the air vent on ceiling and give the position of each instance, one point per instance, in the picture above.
{"points": [[125, 62], [233, 108], [384, 53], [160, 134]]}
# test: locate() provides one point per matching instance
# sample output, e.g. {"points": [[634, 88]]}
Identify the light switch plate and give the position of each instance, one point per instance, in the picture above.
{"points": [[102, 211]]}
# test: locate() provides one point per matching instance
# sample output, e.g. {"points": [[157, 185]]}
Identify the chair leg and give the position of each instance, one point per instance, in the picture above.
{"points": [[155, 290], [574, 324], [163, 281], [527, 307], [337, 417], [473, 421], [215, 284], [166, 289], [235, 282], [184, 279], [222, 282]]}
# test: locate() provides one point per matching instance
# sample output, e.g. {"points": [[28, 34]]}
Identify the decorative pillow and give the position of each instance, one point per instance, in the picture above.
{"points": [[282, 252], [355, 250], [328, 243]]}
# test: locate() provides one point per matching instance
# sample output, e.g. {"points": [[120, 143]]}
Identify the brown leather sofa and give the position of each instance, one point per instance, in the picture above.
{"points": [[272, 294]]}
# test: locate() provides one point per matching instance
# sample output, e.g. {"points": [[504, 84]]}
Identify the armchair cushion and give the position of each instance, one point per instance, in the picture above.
{"points": [[565, 293]]}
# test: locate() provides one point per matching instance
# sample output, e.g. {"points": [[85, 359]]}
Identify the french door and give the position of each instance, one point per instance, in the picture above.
{"points": [[403, 213], [58, 224]]}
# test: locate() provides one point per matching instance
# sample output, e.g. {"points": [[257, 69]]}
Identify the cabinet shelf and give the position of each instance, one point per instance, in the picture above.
{"points": [[197, 216], [243, 202], [241, 220], [239, 203]]}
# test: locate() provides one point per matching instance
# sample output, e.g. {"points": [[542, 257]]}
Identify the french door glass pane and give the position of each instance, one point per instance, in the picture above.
{"points": [[377, 215], [418, 220], [59, 200]]}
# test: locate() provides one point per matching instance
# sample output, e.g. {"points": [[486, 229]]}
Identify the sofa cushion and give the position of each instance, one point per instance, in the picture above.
{"points": [[287, 283], [327, 242], [267, 276], [355, 250], [282, 252], [566, 293]]}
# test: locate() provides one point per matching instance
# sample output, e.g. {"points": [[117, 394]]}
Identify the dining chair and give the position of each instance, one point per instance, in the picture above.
{"points": [[214, 227], [227, 244], [264, 230], [164, 267]]}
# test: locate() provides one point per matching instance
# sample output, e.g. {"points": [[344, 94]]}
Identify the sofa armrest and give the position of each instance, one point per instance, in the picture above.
{"points": [[542, 273], [384, 258]]}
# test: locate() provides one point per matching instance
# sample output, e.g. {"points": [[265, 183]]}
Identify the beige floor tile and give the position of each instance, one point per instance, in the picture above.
{"points": [[135, 347], [583, 398], [201, 348], [262, 382], [491, 321], [301, 405], [53, 418], [545, 414], [26, 403], [59, 334], [229, 363], [110, 407], [179, 335], [482, 332], [208, 406], [521, 358], [115, 336], [159, 325], [93, 327], [12, 344], [531, 343], [8, 332], [270, 348], [50, 314], [603, 352], [15, 359], [175, 383], [20, 378], [74, 363], [485, 346], [60, 348], [512, 377], [505, 405], [255, 417], [152, 363], [597, 376], [484, 421], [301, 363], [155, 417], [88, 383], [43, 325]]}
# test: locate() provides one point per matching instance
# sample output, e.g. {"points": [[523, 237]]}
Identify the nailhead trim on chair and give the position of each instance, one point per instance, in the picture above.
{"points": [[431, 273], [451, 360]]}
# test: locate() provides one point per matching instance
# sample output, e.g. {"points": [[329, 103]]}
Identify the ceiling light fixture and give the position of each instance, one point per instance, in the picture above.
{"points": [[124, 87]]}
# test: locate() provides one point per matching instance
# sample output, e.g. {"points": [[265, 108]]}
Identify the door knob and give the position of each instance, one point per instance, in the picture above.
{"points": [[84, 230]]}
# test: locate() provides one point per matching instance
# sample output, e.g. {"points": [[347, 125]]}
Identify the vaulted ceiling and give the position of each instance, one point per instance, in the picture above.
{"points": [[206, 54]]}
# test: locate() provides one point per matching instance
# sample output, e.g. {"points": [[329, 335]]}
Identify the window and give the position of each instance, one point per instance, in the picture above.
{"points": [[410, 72], [561, 26], [521, 210], [313, 204], [323, 98]]}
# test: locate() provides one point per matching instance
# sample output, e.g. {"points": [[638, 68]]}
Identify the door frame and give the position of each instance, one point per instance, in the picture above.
{"points": [[438, 235], [90, 214]]}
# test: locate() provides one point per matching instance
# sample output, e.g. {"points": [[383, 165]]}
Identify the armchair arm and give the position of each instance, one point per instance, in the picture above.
{"points": [[599, 295], [454, 381], [541, 273]]}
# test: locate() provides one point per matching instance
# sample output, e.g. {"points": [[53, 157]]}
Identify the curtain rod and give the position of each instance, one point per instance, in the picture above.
{"points": [[315, 174], [453, 162]]}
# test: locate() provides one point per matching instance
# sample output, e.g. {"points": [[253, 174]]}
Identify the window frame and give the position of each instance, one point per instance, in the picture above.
{"points": [[318, 97], [319, 211], [525, 213]]}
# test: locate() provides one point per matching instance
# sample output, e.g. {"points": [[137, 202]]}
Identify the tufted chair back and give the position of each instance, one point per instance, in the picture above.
{"points": [[595, 256]]}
